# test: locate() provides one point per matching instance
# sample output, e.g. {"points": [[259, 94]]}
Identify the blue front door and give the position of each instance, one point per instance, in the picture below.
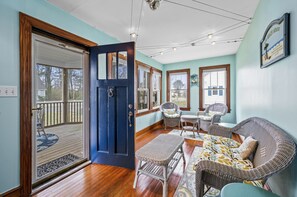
{"points": [[112, 104]]}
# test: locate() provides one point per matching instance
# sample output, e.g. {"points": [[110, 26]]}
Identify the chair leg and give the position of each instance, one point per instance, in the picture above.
{"points": [[44, 133], [137, 174]]}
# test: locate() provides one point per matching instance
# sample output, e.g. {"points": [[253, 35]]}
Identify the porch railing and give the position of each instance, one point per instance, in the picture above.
{"points": [[59, 112]]}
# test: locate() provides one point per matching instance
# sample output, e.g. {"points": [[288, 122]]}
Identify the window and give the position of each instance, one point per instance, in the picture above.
{"points": [[157, 83], [178, 88], [214, 85], [143, 88], [149, 88]]}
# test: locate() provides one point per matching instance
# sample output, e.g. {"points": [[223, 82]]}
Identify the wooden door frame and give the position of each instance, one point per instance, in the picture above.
{"points": [[27, 24]]}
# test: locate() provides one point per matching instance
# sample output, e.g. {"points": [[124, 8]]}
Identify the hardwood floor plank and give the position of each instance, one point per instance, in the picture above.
{"points": [[103, 180]]}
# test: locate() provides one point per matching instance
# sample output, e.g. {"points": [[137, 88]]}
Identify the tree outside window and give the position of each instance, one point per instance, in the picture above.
{"points": [[178, 90]]}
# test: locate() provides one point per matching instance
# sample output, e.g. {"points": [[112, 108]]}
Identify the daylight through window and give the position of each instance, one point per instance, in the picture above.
{"points": [[214, 85], [178, 88]]}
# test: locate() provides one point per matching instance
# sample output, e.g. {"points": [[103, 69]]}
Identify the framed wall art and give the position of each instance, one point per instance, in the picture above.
{"points": [[274, 45]]}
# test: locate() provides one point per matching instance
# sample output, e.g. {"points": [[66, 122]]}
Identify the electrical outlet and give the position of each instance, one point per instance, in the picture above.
{"points": [[8, 91]]}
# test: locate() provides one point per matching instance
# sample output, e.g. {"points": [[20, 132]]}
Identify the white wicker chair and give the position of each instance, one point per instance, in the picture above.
{"points": [[172, 119], [211, 115]]}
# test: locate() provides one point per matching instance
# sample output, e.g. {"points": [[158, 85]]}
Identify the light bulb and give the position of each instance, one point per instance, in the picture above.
{"points": [[174, 48], [210, 36], [161, 53], [213, 43], [133, 35]]}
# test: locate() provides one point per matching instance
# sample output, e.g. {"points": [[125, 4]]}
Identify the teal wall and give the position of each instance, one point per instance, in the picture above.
{"points": [[271, 92], [194, 66], [10, 69]]}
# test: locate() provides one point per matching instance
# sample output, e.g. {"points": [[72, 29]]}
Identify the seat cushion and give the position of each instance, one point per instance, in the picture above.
{"points": [[222, 140], [172, 115], [169, 111], [212, 113], [205, 117], [225, 151]]}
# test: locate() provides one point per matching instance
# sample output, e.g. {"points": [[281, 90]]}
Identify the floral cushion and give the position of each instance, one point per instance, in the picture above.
{"points": [[222, 140], [217, 148], [204, 117], [225, 151]]}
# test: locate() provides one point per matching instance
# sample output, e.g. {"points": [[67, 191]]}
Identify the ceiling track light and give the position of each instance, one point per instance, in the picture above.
{"points": [[133, 35], [213, 42], [209, 36], [174, 48], [161, 53], [154, 4]]}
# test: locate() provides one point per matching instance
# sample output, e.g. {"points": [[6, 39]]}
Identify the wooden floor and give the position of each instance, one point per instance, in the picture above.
{"points": [[102, 180], [70, 141]]}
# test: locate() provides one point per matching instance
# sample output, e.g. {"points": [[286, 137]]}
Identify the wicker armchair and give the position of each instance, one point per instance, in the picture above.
{"points": [[211, 115], [275, 151], [171, 114]]}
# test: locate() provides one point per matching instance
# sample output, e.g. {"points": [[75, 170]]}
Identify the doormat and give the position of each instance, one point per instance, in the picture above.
{"points": [[188, 134], [56, 165], [187, 184], [46, 142]]}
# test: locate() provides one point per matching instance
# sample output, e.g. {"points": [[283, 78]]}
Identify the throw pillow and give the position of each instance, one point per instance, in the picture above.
{"points": [[212, 113], [248, 146]]}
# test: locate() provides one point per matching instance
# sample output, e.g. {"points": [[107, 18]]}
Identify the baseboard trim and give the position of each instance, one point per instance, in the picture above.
{"points": [[15, 192], [156, 125]]}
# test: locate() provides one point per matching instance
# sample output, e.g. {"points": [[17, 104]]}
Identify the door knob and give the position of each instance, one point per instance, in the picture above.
{"points": [[130, 114]]}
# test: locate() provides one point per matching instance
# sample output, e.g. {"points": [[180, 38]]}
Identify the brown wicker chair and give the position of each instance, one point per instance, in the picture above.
{"points": [[275, 151]]}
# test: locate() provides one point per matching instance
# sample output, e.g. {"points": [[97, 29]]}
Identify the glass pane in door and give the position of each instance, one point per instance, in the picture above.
{"points": [[59, 139]]}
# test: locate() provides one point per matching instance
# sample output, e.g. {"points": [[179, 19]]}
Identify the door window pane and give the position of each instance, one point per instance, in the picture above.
{"points": [[112, 65], [122, 68], [102, 66]]}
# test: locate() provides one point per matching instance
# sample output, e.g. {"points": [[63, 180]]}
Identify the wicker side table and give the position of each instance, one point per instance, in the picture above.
{"points": [[194, 120]]}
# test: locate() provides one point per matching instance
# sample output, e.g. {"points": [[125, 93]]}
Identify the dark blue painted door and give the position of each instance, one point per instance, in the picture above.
{"points": [[112, 104]]}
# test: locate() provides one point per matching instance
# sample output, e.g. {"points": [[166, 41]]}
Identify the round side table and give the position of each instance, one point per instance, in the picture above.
{"points": [[194, 120], [245, 190]]}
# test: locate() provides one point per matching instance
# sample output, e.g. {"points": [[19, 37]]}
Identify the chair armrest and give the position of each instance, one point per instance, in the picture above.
{"points": [[215, 119], [220, 131], [179, 112], [228, 172]]}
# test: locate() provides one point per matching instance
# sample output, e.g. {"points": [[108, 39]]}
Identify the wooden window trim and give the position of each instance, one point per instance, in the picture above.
{"points": [[151, 109], [201, 69], [188, 108], [27, 24]]}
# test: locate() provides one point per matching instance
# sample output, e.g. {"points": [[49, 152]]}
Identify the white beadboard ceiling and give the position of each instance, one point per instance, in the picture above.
{"points": [[177, 23]]}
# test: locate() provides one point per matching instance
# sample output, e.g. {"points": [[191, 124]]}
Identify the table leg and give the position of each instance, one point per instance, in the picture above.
{"points": [[165, 184], [137, 174], [182, 152]]}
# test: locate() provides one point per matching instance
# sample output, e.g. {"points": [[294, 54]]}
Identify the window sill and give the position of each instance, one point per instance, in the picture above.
{"points": [[147, 112], [185, 108], [202, 109]]}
